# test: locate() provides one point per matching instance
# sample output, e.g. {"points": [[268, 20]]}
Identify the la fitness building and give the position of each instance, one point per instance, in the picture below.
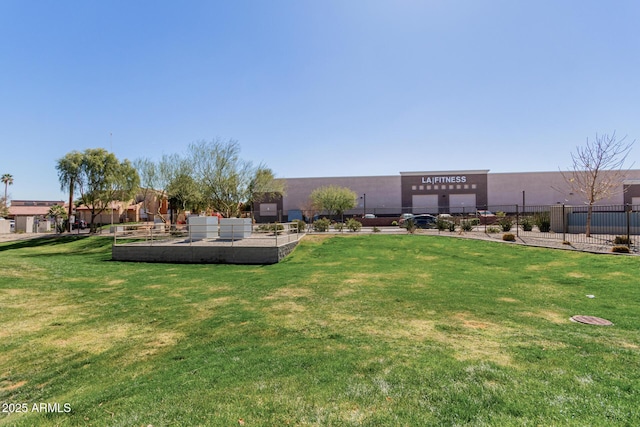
{"points": [[442, 192]]}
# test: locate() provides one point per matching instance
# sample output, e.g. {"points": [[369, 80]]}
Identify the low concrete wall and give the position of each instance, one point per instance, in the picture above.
{"points": [[202, 254]]}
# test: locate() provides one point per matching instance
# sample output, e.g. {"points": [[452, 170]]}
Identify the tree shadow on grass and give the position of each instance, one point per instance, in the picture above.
{"points": [[56, 240]]}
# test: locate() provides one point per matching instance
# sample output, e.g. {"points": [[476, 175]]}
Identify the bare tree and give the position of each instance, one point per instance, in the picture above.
{"points": [[227, 181], [597, 170]]}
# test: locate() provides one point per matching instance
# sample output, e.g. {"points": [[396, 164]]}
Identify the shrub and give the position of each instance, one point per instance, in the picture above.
{"points": [[543, 221], [338, 226], [394, 223], [452, 227], [271, 228], [493, 230], [509, 237], [620, 249], [442, 224], [321, 225], [622, 240], [354, 225], [467, 225], [505, 223], [298, 225], [527, 224], [376, 229]]}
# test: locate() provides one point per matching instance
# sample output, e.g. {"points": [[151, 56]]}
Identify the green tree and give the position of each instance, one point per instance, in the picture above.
{"points": [[333, 199], [7, 180], [99, 179], [69, 175], [148, 171], [226, 180], [184, 193], [597, 170]]}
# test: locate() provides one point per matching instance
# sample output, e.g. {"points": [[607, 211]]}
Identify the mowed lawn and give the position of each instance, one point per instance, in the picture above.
{"points": [[371, 330]]}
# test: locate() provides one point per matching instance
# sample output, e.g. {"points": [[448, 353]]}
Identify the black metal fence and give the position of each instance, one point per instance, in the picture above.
{"points": [[609, 225]]}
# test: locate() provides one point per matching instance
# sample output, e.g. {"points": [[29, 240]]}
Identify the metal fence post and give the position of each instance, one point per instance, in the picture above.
{"points": [[564, 224], [517, 222], [628, 209]]}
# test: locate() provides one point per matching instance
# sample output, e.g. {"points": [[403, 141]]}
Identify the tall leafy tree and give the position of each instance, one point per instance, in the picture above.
{"points": [[7, 180], [69, 176], [597, 170], [148, 171], [227, 181], [334, 199], [101, 179]]}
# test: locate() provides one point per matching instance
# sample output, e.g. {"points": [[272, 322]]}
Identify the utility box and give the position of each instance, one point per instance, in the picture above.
{"points": [[203, 227], [235, 228], [44, 226], [24, 224]]}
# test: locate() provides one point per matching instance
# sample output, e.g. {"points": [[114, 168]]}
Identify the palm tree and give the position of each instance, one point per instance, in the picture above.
{"points": [[7, 180]]}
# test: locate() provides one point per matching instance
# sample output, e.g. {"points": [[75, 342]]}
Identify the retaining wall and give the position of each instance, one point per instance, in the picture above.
{"points": [[187, 254]]}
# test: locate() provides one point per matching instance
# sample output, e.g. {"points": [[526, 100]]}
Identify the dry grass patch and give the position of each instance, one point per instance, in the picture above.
{"points": [[35, 311], [207, 309], [551, 316], [289, 293], [7, 385], [578, 275]]}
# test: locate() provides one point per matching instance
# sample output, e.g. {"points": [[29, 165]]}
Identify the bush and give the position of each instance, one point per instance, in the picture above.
{"points": [[493, 230], [527, 224], [509, 237], [467, 225], [338, 226], [622, 240], [394, 223], [620, 249], [321, 225], [452, 227], [298, 225], [543, 221], [442, 224], [271, 228], [504, 221], [376, 229], [354, 225]]}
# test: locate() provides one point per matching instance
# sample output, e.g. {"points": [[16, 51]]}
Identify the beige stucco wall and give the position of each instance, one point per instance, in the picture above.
{"points": [[382, 191], [541, 188]]}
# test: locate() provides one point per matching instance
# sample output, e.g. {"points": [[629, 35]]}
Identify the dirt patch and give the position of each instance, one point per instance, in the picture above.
{"points": [[10, 386]]}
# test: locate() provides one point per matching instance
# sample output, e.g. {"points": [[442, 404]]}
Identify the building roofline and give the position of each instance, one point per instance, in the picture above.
{"points": [[454, 172]]}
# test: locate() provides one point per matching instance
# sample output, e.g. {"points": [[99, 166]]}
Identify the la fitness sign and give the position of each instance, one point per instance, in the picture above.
{"points": [[452, 179]]}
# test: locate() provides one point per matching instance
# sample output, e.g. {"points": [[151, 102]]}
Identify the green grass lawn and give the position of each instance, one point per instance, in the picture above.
{"points": [[353, 330]]}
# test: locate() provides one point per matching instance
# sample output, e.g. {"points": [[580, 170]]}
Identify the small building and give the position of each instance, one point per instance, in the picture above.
{"points": [[31, 216]]}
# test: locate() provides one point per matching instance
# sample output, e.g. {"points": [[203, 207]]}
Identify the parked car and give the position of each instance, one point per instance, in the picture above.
{"points": [[369, 216], [486, 217], [421, 221], [79, 223]]}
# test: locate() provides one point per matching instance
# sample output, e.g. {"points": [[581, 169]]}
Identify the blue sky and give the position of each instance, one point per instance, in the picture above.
{"points": [[316, 88]]}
